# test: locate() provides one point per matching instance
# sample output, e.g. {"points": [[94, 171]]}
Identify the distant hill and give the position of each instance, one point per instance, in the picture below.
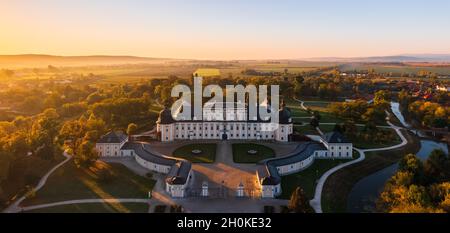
{"points": [[37, 61], [398, 58]]}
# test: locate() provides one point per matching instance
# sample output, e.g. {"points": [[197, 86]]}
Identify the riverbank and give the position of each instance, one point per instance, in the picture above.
{"points": [[338, 186]]}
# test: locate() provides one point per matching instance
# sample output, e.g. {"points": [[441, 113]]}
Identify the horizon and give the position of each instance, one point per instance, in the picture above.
{"points": [[225, 30]]}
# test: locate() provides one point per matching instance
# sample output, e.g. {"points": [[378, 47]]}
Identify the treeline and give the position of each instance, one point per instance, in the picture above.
{"points": [[426, 113], [72, 117], [360, 111], [418, 187]]}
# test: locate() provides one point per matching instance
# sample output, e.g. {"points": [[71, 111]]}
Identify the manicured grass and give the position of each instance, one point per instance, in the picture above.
{"points": [[240, 153], [31, 166], [329, 117], [339, 184], [307, 179], [306, 129], [71, 183], [208, 154], [95, 208], [317, 105]]}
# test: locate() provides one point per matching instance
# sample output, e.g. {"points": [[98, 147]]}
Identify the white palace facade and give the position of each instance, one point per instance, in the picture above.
{"points": [[238, 126]]}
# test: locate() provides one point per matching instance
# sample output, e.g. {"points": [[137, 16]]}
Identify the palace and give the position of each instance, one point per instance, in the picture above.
{"points": [[179, 172], [237, 125]]}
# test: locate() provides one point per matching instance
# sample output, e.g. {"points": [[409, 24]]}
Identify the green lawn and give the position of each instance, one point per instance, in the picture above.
{"points": [[240, 153], [208, 154], [307, 179], [306, 129], [70, 183], [95, 208]]}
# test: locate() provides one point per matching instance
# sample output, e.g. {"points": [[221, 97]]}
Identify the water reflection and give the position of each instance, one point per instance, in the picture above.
{"points": [[364, 194]]}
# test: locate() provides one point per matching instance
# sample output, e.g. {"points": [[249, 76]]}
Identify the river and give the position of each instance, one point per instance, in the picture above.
{"points": [[364, 194]]}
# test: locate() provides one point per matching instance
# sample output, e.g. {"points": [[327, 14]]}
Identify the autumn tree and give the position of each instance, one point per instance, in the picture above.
{"points": [[132, 129], [299, 202]]}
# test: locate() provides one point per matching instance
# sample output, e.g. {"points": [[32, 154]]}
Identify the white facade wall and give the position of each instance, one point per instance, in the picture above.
{"points": [[178, 191], [295, 167], [167, 132], [152, 166], [341, 150], [215, 130], [270, 191], [109, 149]]}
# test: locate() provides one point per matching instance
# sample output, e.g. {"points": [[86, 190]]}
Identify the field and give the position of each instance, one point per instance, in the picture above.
{"points": [[95, 208], [207, 72], [397, 69], [71, 183]]}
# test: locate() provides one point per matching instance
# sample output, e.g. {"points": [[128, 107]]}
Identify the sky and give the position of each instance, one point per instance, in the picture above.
{"points": [[225, 29]]}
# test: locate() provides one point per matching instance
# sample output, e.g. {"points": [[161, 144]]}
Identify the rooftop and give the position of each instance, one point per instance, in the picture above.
{"points": [[113, 137]]}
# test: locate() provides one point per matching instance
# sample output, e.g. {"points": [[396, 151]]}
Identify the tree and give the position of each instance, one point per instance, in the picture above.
{"points": [[86, 154], [350, 129], [411, 163], [132, 128], [314, 122], [437, 167], [381, 99], [298, 202]]}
